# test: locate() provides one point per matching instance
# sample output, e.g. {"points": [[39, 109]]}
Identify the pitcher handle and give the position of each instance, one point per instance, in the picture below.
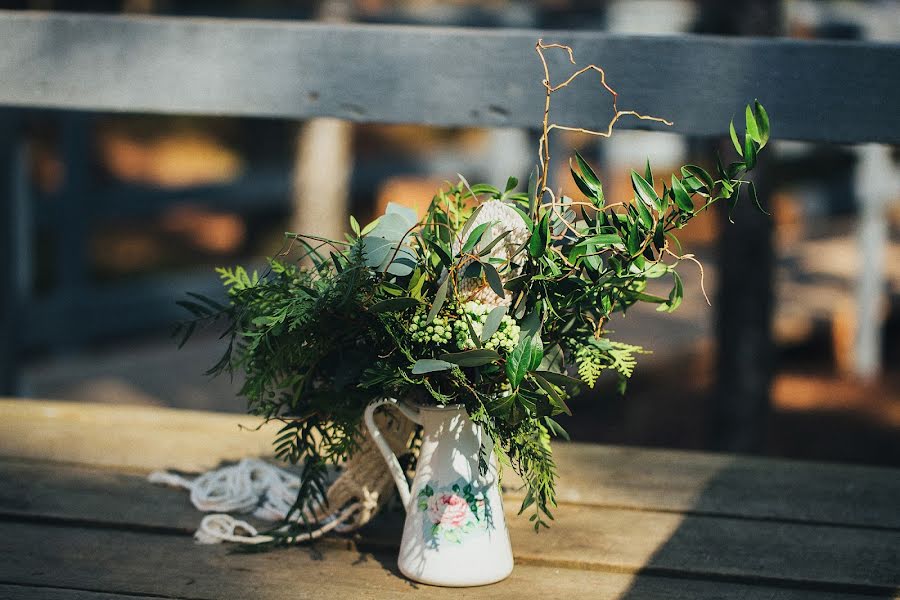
{"points": [[393, 464]]}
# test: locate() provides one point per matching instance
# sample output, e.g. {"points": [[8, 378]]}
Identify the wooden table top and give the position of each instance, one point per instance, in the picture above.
{"points": [[78, 521]]}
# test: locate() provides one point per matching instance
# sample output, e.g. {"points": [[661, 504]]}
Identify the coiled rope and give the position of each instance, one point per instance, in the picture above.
{"points": [[267, 492]]}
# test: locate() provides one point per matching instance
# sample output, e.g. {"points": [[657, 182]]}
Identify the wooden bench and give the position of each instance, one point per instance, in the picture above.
{"points": [[78, 521], [815, 91]]}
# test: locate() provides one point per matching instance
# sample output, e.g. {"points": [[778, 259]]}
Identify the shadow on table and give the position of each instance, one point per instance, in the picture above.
{"points": [[379, 540], [778, 544]]}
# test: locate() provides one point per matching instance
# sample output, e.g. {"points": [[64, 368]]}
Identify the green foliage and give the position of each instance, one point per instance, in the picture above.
{"points": [[598, 355], [497, 300]]}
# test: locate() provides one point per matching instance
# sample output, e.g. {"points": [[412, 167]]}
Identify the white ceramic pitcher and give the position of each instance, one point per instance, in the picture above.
{"points": [[455, 533]]}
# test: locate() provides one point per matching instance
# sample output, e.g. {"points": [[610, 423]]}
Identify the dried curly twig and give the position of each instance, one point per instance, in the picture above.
{"points": [[543, 144]]}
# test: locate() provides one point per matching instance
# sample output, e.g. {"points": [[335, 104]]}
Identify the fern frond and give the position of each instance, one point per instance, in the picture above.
{"points": [[598, 355]]}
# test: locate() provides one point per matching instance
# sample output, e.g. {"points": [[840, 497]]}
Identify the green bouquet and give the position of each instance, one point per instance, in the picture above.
{"points": [[495, 299]]}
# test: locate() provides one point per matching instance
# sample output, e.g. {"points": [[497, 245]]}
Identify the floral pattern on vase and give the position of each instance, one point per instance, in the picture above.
{"points": [[452, 513]]}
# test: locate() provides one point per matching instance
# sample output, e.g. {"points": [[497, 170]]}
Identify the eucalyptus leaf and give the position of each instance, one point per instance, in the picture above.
{"points": [[475, 237], [439, 297], [368, 228], [515, 283], [553, 359], [403, 264], [376, 251], [555, 398], [532, 190], [428, 365], [492, 323], [562, 380], [409, 216], [391, 227], [490, 246], [502, 405], [471, 358], [470, 221], [525, 218], [442, 254], [493, 279], [394, 305]]}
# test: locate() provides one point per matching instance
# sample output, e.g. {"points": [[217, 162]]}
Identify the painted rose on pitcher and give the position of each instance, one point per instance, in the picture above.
{"points": [[452, 514], [448, 510]]}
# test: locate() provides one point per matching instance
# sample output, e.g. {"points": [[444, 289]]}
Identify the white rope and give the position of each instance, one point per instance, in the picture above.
{"points": [[256, 487], [250, 486], [218, 528]]}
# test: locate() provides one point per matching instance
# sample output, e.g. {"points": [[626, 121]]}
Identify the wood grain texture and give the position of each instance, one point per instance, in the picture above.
{"points": [[582, 537], [28, 592], [128, 436], [173, 567], [820, 91], [726, 484], [146, 438]]}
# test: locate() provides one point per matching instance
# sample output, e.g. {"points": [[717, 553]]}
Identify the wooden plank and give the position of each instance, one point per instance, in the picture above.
{"points": [[725, 484], [170, 566], [815, 90], [27, 592], [662, 480], [701, 485], [583, 537], [134, 436]]}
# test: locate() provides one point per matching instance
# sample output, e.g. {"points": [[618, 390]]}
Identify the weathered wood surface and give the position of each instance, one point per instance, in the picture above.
{"points": [[147, 438], [821, 91], [127, 436], [27, 592], [152, 438], [585, 537], [167, 566], [811, 531]]}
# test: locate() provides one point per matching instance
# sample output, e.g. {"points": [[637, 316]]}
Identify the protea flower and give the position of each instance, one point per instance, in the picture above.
{"points": [[504, 219]]}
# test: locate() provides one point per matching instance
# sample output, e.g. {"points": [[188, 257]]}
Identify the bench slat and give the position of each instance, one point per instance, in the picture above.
{"points": [[583, 537], [147, 438], [135, 437], [820, 91], [724, 484], [169, 566], [21, 592]]}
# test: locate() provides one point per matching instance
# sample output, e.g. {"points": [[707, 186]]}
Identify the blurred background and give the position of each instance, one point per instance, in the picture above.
{"points": [[126, 212]]}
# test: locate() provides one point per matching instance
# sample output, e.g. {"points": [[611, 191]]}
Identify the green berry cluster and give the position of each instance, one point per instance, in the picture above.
{"points": [[436, 332], [503, 340]]}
